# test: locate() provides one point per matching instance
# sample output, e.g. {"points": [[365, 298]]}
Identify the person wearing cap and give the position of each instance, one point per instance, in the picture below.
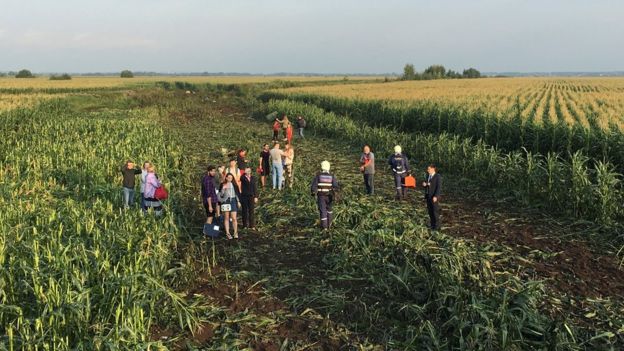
{"points": [[324, 185], [400, 168], [301, 124]]}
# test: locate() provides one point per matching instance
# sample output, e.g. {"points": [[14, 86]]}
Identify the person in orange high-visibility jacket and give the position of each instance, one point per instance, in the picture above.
{"points": [[324, 187]]}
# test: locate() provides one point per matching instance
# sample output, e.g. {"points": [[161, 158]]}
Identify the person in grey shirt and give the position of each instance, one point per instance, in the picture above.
{"points": [[367, 167]]}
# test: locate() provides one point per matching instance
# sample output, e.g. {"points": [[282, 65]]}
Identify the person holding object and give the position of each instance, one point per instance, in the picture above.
{"points": [[229, 197], [209, 194], [367, 167], [249, 198], [324, 186], [433, 189], [301, 124], [400, 168], [129, 172], [276, 128], [151, 184]]}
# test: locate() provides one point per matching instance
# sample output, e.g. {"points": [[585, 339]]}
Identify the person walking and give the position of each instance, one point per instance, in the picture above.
{"points": [[143, 178], [277, 170], [210, 199], [433, 190], [229, 197], [400, 168], [367, 167], [265, 167], [324, 186], [301, 124], [249, 198], [128, 172], [276, 129], [289, 158], [151, 184]]}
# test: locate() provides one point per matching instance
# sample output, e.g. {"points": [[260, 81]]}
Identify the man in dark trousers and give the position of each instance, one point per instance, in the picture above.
{"points": [[324, 187], [249, 198], [433, 189], [400, 168]]}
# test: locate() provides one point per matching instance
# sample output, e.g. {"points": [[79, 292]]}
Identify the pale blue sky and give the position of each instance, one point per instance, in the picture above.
{"points": [[323, 36]]}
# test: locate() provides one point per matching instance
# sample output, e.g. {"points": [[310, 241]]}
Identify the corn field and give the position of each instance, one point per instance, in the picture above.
{"points": [[540, 115], [77, 272]]}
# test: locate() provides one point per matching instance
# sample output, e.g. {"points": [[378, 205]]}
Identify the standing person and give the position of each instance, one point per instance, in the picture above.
{"points": [[324, 187], [285, 123], [367, 167], [277, 169], [265, 168], [301, 124], [129, 172], [400, 167], [276, 128], [289, 133], [209, 194], [229, 196], [288, 161], [234, 170], [241, 161], [143, 178], [433, 190], [151, 184], [249, 198]]}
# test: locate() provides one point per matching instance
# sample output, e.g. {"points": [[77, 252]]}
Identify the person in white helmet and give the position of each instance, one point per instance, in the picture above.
{"points": [[400, 169], [324, 185]]}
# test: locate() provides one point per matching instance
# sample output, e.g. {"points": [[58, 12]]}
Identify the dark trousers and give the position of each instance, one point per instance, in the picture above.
{"points": [[434, 212], [325, 209], [275, 134], [399, 184], [247, 202], [369, 183]]}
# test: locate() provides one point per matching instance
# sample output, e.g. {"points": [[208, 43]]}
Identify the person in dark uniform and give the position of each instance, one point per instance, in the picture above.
{"points": [[433, 189], [249, 198], [324, 187], [400, 169]]}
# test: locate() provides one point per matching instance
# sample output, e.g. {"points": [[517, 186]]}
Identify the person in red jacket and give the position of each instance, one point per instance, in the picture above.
{"points": [[289, 133]]}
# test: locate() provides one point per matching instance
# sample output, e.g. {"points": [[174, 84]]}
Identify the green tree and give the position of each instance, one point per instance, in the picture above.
{"points": [[471, 73], [126, 74], [24, 74], [436, 71], [63, 76], [409, 72]]}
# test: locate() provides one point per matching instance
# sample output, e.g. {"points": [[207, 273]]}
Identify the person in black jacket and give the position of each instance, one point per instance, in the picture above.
{"points": [[433, 189], [249, 198], [301, 124]]}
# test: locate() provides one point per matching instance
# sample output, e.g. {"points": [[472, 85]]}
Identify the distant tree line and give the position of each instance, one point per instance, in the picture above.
{"points": [[437, 72]]}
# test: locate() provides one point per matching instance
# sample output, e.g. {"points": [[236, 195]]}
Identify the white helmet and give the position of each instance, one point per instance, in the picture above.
{"points": [[325, 166], [397, 149]]}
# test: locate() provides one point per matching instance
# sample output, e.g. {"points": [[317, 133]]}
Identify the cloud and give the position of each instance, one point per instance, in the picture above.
{"points": [[86, 40]]}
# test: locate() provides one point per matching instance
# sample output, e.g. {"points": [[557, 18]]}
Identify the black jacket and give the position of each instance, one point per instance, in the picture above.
{"points": [[435, 186], [249, 187]]}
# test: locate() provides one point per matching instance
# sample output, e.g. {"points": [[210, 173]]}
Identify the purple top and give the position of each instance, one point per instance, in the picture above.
{"points": [[208, 190], [151, 183]]}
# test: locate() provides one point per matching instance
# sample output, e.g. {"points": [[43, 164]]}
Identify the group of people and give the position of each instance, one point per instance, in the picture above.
{"points": [[286, 127], [226, 190], [149, 184]]}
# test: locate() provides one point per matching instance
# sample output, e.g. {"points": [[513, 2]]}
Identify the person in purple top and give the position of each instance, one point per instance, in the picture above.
{"points": [[209, 194]]}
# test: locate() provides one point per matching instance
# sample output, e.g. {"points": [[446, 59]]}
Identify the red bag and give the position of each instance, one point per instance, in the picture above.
{"points": [[161, 193]]}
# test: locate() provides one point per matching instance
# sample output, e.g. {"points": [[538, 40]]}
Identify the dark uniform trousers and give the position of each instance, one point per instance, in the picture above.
{"points": [[248, 204], [434, 212], [325, 209], [399, 183]]}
